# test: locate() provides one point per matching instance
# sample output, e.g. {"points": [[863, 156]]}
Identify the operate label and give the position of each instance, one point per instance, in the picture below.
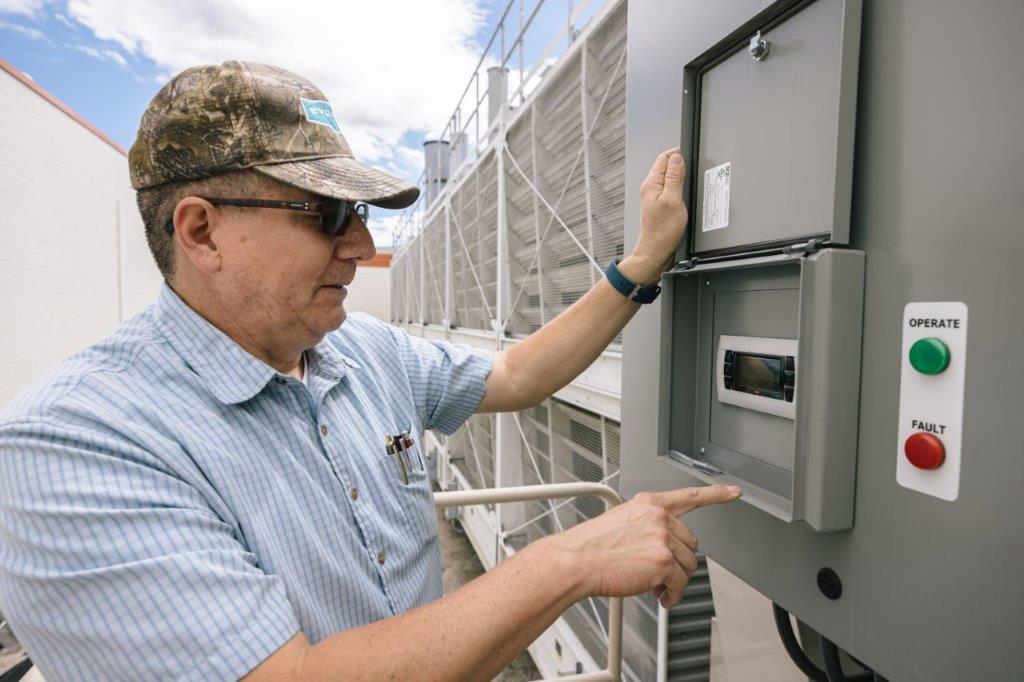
{"points": [[715, 206]]}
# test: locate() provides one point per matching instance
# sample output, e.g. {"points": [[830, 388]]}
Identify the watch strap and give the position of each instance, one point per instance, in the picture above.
{"points": [[628, 288]]}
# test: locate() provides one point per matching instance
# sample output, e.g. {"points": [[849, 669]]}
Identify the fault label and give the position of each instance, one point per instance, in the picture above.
{"points": [[715, 207]]}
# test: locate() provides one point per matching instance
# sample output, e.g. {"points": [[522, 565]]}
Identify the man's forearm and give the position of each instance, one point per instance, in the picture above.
{"points": [[472, 633], [558, 352]]}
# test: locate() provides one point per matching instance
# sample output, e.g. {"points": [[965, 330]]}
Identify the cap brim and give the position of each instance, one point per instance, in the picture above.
{"points": [[342, 177]]}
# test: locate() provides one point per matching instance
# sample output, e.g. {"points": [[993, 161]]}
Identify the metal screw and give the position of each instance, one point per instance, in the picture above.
{"points": [[707, 282], [759, 47]]}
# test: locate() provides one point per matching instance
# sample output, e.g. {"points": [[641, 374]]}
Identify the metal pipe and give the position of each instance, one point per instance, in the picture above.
{"points": [[497, 93], [661, 673], [549, 491]]}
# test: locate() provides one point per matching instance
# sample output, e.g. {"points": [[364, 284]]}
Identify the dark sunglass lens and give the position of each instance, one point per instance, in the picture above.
{"points": [[332, 220]]}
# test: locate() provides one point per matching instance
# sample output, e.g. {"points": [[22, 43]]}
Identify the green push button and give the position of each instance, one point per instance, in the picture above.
{"points": [[929, 356]]}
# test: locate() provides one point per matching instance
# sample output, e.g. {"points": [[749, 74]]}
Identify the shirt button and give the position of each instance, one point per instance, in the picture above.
{"points": [[323, 429], [380, 558], [281, 380], [354, 494]]}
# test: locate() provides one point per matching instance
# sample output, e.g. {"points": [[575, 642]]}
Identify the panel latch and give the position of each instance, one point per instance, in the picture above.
{"points": [[759, 47]]}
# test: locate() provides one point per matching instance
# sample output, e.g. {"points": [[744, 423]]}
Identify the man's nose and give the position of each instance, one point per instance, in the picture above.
{"points": [[357, 242]]}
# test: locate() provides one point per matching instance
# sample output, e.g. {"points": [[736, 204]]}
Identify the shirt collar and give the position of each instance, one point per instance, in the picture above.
{"points": [[230, 372]]}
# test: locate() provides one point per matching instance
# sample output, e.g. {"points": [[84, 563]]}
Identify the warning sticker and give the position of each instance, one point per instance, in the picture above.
{"points": [[716, 197]]}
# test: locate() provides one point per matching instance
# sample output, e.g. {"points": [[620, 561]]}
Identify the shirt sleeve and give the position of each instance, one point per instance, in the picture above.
{"points": [[113, 567], [448, 380]]}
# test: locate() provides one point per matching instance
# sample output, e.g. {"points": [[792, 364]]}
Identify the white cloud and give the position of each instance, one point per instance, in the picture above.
{"points": [[23, 7], [103, 54], [387, 67], [382, 226], [26, 31]]}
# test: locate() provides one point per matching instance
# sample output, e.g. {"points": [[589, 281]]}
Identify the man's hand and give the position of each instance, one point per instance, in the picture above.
{"points": [[639, 545], [662, 219]]}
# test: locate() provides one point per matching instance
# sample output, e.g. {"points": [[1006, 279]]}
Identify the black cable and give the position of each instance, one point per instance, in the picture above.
{"points": [[834, 667], [793, 648], [17, 672]]}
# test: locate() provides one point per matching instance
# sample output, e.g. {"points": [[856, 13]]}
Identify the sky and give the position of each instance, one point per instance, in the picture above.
{"points": [[392, 69]]}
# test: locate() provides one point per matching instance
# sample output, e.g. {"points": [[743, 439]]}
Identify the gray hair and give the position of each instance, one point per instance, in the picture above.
{"points": [[157, 204]]}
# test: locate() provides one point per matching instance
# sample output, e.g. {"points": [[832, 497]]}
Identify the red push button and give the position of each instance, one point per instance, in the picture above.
{"points": [[924, 451]]}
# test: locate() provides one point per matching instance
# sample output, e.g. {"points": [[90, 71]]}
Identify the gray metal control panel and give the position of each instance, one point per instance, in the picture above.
{"points": [[792, 446], [854, 182]]}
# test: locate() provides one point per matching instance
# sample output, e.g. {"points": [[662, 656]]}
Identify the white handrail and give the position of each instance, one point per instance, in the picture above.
{"points": [[550, 491]]}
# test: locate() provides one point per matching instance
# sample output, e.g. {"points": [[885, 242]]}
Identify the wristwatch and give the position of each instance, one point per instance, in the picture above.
{"points": [[628, 288]]}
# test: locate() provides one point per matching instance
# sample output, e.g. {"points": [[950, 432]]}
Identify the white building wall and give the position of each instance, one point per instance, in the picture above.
{"points": [[73, 254], [370, 292]]}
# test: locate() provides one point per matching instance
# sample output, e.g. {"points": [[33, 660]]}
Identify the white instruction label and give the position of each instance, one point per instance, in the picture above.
{"points": [[716, 197]]}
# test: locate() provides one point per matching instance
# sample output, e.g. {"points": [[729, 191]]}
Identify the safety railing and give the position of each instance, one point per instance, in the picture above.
{"points": [[554, 491], [471, 124]]}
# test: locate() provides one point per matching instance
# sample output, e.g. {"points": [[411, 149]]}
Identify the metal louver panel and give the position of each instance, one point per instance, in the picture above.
{"points": [[399, 293], [536, 464], [473, 229], [396, 286], [565, 179], [434, 246], [414, 280], [571, 444], [564, 444], [606, 152], [689, 633], [605, 87], [472, 449], [521, 211], [558, 125]]}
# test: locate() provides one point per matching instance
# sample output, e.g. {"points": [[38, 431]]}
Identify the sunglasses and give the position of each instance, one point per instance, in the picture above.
{"points": [[335, 214]]}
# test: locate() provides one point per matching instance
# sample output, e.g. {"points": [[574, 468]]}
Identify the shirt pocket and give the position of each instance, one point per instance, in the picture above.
{"points": [[417, 497]]}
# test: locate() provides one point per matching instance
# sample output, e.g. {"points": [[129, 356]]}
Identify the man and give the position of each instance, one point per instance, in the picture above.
{"points": [[207, 493]]}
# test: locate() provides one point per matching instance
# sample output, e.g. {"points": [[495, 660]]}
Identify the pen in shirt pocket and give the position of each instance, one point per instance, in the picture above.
{"points": [[394, 447], [415, 458]]}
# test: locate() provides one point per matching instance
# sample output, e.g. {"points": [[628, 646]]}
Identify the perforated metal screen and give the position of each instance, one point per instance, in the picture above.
{"points": [[605, 72], [565, 175], [471, 448], [562, 191], [434, 246], [562, 443], [523, 230], [399, 292], [414, 280], [473, 227]]}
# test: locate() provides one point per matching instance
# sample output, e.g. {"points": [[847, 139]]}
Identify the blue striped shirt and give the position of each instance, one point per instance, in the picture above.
{"points": [[171, 507]]}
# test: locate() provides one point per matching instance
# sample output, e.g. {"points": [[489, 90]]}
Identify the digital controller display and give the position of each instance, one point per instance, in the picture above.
{"points": [[758, 374]]}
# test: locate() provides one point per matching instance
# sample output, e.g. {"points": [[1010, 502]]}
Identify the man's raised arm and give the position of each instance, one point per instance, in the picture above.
{"points": [[557, 353]]}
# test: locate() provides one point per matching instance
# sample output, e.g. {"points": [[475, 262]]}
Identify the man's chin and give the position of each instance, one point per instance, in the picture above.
{"points": [[334, 320]]}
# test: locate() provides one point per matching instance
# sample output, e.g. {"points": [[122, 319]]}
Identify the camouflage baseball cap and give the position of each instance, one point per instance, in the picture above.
{"points": [[213, 119]]}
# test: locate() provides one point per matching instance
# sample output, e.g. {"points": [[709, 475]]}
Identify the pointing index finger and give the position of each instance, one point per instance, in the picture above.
{"points": [[683, 500]]}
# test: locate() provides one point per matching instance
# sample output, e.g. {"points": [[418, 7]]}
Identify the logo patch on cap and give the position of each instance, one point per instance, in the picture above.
{"points": [[319, 111]]}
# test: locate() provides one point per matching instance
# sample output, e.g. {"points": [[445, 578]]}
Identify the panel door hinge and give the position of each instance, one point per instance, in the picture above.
{"points": [[805, 249]]}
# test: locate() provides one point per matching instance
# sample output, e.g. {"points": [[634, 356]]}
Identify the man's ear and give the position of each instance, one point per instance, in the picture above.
{"points": [[195, 229]]}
